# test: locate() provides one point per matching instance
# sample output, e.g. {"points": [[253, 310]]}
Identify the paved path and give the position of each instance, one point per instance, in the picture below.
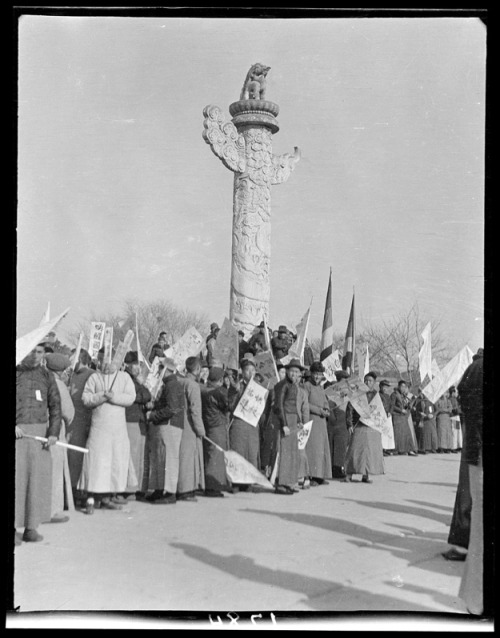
{"points": [[339, 547]]}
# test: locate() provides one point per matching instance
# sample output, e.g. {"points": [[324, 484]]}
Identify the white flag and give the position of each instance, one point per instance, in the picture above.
{"points": [[367, 362], [25, 344], [189, 345], [449, 375], [266, 336], [96, 338], [297, 349], [435, 368], [331, 363], [425, 355], [303, 435], [46, 315], [141, 358]]}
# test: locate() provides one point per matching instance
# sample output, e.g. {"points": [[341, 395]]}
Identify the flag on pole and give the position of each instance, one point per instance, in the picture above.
{"points": [[239, 470], [435, 369], [449, 375], [108, 344], [327, 334], [349, 343], [425, 355], [360, 361], [25, 344], [140, 356], [46, 315], [76, 356], [266, 336], [297, 349]]}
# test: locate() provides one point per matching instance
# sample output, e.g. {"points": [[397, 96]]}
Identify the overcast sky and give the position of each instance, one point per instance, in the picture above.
{"points": [[120, 197]]}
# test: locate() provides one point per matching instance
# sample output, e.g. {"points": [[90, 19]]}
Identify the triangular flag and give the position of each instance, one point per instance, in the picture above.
{"points": [[327, 334], [449, 375], [297, 349], [425, 355], [266, 335], [46, 315], [366, 369], [349, 343], [141, 358], [25, 344]]}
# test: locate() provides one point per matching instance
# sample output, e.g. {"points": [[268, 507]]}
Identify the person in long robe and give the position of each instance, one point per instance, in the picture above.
{"points": [[364, 453], [215, 413], [244, 438], [444, 409], [426, 425], [385, 396], [38, 413], [191, 471], [58, 364], [78, 431], [137, 481], [456, 425], [317, 446], [401, 411], [470, 390], [106, 465], [291, 407], [165, 427]]}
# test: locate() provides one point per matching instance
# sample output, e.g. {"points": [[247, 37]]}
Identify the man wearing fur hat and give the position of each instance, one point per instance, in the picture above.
{"points": [[58, 363], [38, 413]]}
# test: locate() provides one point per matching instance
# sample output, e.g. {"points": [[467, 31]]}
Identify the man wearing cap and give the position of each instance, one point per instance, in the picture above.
{"points": [[105, 468], [191, 471], [364, 453], [78, 431], [243, 437], [280, 344], [317, 446], [291, 407], [58, 363], [260, 338], [215, 413], [137, 428], [166, 423], [210, 343], [38, 413]]}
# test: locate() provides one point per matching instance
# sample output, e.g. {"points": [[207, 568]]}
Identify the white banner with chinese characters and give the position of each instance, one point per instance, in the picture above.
{"points": [[372, 414], [122, 348], [226, 345], [303, 435], [108, 344], [96, 338], [331, 363], [189, 345], [266, 366], [252, 403]]}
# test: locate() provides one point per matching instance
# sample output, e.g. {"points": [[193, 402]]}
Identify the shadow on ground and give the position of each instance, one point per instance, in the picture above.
{"points": [[320, 594], [426, 503], [400, 508], [455, 485], [414, 549]]}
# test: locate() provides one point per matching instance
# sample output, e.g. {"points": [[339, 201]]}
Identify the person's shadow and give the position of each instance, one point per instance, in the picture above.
{"points": [[323, 595], [401, 509]]}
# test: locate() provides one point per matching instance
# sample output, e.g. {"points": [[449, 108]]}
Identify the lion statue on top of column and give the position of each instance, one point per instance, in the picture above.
{"points": [[254, 87]]}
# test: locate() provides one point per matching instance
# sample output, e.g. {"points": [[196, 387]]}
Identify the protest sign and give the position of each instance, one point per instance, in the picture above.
{"points": [[108, 344], [76, 356], [239, 470], [154, 378], [449, 375], [372, 414], [266, 335], [266, 366], [332, 363], [189, 345], [140, 356], [26, 343], [226, 345], [303, 435], [121, 350], [285, 360], [388, 435], [96, 338], [252, 403]]}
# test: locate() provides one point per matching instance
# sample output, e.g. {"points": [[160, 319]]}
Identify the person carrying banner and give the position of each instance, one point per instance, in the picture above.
{"points": [[191, 471], [58, 363], [78, 431], [165, 426], [364, 453], [383, 390], [244, 438], [400, 409], [137, 428], [215, 412], [105, 468], [426, 425], [38, 413], [317, 447], [291, 407], [444, 409]]}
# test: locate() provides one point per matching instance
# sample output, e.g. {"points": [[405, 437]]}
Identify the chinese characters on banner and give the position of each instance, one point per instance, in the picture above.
{"points": [[239, 470], [297, 348], [108, 344], [154, 378], [332, 363], [189, 345], [266, 366], [252, 403], [372, 414], [342, 391], [96, 337], [303, 435], [226, 345], [122, 348]]}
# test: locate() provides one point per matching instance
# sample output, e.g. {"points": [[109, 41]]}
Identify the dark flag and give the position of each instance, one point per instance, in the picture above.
{"points": [[348, 358], [327, 334]]}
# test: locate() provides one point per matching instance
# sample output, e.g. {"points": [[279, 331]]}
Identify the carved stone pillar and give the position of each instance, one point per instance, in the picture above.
{"points": [[245, 147]]}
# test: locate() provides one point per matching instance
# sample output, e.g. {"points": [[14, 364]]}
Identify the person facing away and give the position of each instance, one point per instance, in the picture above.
{"points": [[38, 413]]}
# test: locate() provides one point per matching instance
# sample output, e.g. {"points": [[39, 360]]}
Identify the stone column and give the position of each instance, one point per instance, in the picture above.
{"points": [[245, 147]]}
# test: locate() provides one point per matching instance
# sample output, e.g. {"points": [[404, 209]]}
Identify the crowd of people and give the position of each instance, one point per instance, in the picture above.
{"points": [[170, 447]]}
